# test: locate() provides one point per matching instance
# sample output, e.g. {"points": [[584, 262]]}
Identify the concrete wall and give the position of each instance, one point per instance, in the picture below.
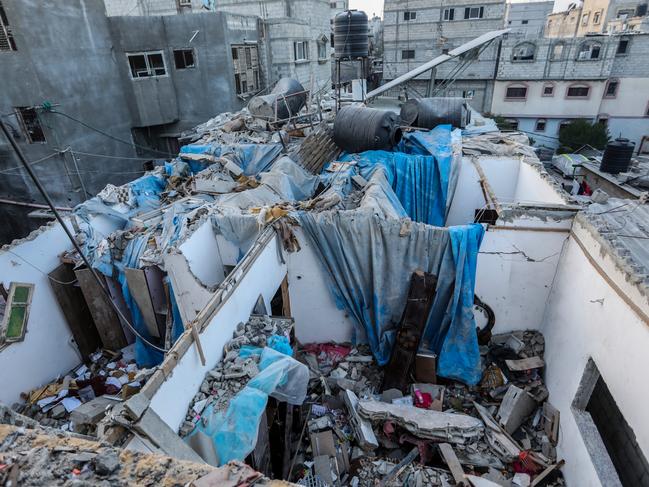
{"points": [[527, 18], [188, 95], [48, 349], [563, 24], [150, 7], [586, 318], [68, 61]]}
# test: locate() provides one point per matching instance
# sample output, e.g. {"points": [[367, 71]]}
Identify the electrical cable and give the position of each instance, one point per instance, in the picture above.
{"points": [[58, 216], [106, 134], [38, 161]]}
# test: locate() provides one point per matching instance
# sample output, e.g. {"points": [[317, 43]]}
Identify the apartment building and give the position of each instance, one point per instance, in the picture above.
{"points": [[91, 98], [564, 23], [527, 18], [296, 34], [596, 17], [545, 83], [417, 31]]}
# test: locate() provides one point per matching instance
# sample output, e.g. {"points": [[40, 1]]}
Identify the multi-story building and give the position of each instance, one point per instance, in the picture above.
{"points": [[416, 31], [545, 83], [564, 23], [295, 39], [120, 90], [529, 18]]}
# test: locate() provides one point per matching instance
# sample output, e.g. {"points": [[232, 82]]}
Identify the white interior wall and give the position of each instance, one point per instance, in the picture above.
{"points": [[203, 256], [48, 348], [502, 174], [317, 318], [586, 318], [515, 272], [264, 277], [468, 195], [532, 188]]}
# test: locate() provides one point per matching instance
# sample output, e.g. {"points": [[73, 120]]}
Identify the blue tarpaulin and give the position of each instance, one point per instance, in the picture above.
{"points": [[252, 158], [369, 261]]}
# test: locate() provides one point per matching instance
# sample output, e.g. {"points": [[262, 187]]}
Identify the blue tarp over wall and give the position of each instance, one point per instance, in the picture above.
{"points": [[370, 259]]}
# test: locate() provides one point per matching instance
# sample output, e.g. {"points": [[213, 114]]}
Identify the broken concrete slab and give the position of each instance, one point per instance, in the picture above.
{"points": [[163, 437], [93, 411], [425, 423], [525, 364], [497, 437], [362, 428], [516, 406]]}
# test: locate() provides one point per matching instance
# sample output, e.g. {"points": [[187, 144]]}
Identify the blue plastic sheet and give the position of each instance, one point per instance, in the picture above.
{"points": [[234, 433], [252, 158], [369, 262]]}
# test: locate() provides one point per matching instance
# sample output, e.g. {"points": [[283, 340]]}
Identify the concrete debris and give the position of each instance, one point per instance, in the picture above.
{"points": [[37, 457], [432, 425], [239, 365], [79, 400]]}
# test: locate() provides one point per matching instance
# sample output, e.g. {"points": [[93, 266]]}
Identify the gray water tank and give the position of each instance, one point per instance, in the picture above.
{"points": [[351, 37]]}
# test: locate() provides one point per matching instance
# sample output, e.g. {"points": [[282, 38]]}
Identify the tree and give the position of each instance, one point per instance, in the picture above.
{"points": [[579, 133]]}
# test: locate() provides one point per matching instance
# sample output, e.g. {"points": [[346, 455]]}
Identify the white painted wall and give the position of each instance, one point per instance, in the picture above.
{"points": [[532, 188], [171, 400], [317, 319], [203, 255], [515, 272], [578, 326], [48, 349], [468, 195]]}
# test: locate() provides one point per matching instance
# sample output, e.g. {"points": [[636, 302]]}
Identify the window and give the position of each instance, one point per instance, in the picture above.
{"points": [[564, 124], [449, 13], [512, 123], [523, 52], [184, 58], [597, 17], [578, 91], [622, 47], [184, 3], [323, 53], [468, 94], [301, 50], [589, 51], [15, 313], [540, 125], [557, 51], [31, 125], [603, 120], [516, 93], [606, 433], [408, 54], [409, 15], [245, 58], [625, 13], [525, 22], [146, 64], [7, 42], [548, 90], [584, 18], [611, 88], [473, 12]]}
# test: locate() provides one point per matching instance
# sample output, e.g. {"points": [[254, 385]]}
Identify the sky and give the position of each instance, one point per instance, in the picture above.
{"points": [[368, 6]]}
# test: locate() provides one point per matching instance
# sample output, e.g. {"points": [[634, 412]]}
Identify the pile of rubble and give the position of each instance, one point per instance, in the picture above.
{"points": [[239, 365], [501, 432], [78, 401]]}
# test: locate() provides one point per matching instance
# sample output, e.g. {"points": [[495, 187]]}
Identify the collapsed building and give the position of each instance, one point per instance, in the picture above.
{"points": [[435, 310]]}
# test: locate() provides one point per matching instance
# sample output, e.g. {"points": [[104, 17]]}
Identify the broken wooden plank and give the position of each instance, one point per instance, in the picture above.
{"points": [[525, 364], [453, 463], [139, 289], [540, 477], [551, 417], [106, 320], [75, 309], [394, 473], [420, 298]]}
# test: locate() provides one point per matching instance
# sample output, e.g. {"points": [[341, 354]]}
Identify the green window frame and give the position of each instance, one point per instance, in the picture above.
{"points": [[16, 316]]}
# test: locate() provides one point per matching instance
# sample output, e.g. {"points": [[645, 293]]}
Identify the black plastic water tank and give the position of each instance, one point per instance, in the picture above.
{"points": [[617, 156], [351, 34], [357, 129], [428, 113]]}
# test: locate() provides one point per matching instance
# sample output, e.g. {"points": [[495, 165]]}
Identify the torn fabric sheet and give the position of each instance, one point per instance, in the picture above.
{"points": [[369, 261]]}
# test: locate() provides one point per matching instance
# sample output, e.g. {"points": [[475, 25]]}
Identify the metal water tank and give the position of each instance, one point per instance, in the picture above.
{"points": [[351, 34], [617, 156]]}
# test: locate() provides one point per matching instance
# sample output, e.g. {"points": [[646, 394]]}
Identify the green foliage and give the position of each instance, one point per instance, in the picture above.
{"points": [[579, 133]]}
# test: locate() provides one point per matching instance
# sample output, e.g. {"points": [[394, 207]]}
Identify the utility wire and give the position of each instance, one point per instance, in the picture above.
{"points": [[38, 269], [58, 216]]}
